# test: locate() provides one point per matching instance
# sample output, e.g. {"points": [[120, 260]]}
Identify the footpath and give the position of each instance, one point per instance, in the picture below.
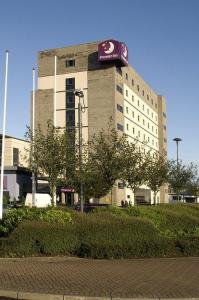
{"points": [[56, 278]]}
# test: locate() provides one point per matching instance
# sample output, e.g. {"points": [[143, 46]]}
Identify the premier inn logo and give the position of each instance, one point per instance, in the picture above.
{"points": [[113, 50]]}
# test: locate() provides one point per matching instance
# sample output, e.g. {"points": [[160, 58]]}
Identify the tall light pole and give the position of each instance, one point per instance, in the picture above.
{"points": [[80, 94], [177, 140], [33, 135], [3, 138]]}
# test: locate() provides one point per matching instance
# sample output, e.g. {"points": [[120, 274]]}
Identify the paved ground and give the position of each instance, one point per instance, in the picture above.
{"points": [[146, 278]]}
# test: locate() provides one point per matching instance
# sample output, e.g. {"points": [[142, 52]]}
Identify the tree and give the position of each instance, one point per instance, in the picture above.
{"points": [[134, 165], [47, 155], [179, 176], [157, 170], [104, 162], [193, 184]]}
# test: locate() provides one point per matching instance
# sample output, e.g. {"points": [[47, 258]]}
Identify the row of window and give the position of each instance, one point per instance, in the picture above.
{"points": [[139, 119], [145, 139], [119, 70], [142, 106]]}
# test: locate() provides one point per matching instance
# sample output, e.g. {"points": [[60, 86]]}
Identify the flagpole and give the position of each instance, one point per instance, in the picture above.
{"points": [[33, 134], [55, 94], [3, 138]]}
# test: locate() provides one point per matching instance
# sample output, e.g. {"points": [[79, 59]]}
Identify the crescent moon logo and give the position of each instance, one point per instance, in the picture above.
{"points": [[108, 47], [125, 51]]}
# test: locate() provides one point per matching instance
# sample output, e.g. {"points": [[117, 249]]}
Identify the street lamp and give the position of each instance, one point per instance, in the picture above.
{"points": [[80, 94], [177, 140]]}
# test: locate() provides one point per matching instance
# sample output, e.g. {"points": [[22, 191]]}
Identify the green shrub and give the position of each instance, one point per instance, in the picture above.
{"points": [[15, 216], [41, 238], [108, 233]]}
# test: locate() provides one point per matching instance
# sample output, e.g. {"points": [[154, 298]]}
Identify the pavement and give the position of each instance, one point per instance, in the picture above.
{"points": [[66, 278]]}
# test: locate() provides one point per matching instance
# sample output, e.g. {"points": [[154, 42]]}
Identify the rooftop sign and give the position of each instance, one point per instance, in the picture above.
{"points": [[113, 50]]}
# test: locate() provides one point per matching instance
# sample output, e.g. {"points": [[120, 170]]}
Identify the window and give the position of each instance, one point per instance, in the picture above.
{"points": [[127, 126], [143, 107], [15, 156], [148, 125], [152, 128], [120, 127], [70, 118], [138, 133], [142, 92], [138, 103], [156, 105], [144, 136], [127, 93], [164, 115], [152, 115], [119, 89], [165, 127], [138, 87], [138, 118], [70, 97], [148, 139], [119, 71], [132, 98], [70, 84], [127, 76], [147, 111], [120, 108], [132, 82], [70, 100], [70, 63], [133, 130], [147, 97], [143, 121], [133, 114], [152, 101], [127, 109], [120, 185]]}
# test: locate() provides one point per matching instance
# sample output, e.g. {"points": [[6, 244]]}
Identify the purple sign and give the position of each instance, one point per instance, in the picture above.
{"points": [[67, 190], [113, 50]]}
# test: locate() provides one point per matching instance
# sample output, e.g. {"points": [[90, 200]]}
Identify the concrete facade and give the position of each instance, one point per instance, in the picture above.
{"points": [[109, 91]]}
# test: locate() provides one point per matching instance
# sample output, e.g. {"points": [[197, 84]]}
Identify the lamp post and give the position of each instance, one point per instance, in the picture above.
{"points": [[3, 138], [177, 140], [80, 94]]}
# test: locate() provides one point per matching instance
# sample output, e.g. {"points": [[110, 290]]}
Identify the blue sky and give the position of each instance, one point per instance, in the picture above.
{"points": [[162, 37]]}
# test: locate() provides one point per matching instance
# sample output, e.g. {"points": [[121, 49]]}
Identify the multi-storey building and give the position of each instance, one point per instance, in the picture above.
{"points": [[112, 88]]}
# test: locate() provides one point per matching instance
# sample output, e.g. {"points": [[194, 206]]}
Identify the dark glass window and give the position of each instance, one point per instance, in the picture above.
{"points": [[70, 84], [15, 156], [120, 108], [127, 76], [70, 102], [121, 185], [70, 118], [70, 63], [119, 71], [119, 89], [120, 127]]}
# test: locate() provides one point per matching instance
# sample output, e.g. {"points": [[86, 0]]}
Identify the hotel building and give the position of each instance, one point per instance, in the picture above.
{"points": [[112, 88]]}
